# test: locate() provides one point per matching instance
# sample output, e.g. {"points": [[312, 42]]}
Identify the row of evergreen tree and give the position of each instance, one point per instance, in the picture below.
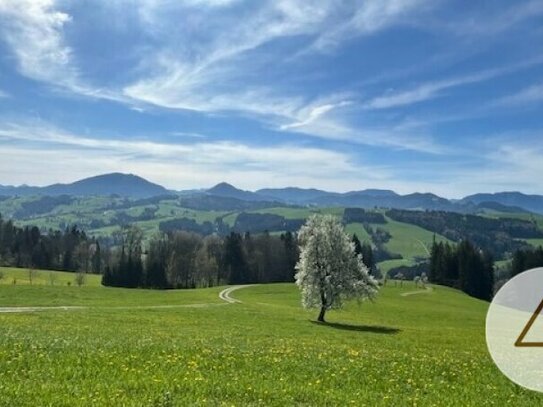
{"points": [[526, 259], [70, 250], [183, 259], [368, 256], [462, 266]]}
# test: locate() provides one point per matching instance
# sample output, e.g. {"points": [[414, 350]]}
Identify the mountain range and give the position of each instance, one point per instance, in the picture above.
{"points": [[224, 196]]}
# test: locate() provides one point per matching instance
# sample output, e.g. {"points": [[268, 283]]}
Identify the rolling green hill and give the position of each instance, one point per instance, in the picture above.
{"points": [[410, 241], [142, 347], [102, 216]]}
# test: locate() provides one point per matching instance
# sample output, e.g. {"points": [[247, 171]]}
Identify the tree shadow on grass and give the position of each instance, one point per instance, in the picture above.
{"points": [[359, 328]]}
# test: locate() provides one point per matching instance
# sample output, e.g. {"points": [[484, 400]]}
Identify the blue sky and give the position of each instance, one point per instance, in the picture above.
{"points": [[410, 95]]}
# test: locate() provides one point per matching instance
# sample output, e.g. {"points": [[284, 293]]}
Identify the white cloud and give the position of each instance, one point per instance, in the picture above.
{"points": [[214, 70], [367, 17], [188, 134], [33, 29], [217, 60], [325, 118], [430, 90], [177, 165], [531, 94], [419, 94], [330, 128], [311, 113], [493, 19], [207, 75], [39, 153]]}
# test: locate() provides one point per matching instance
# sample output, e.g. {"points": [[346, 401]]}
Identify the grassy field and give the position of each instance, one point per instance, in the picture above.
{"points": [[535, 242], [387, 265], [288, 213], [17, 276], [426, 350], [409, 240], [358, 228]]}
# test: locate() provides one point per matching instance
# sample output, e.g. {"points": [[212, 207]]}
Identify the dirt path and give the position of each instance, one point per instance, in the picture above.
{"points": [[223, 295], [427, 290], [5, 310]]}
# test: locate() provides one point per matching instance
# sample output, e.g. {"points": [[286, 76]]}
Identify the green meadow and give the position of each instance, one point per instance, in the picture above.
{"points": [[20, 276], [129, 347], [410, 241], [535, 242]]}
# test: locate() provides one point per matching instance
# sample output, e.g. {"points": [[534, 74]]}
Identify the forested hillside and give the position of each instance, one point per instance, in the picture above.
{"points": [[401, 240]]}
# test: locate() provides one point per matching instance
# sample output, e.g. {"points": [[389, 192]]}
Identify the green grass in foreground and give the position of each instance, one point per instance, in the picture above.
{"points": [[426, 350]]}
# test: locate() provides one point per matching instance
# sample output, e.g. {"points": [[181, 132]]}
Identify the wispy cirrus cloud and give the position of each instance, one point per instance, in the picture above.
{"points": [[326, 119], [207, 75], [183, 76], [33, 30], [367, 17], [530, 95], [492, 19], [212, 75], [203, 72], [252, 63], [431, 90], [43, 152], [202, 163]]}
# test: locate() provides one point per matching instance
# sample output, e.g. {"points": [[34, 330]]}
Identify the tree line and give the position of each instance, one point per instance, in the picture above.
{"points": [[68, 250], [526, 259], [174, 259], [463, 266], [181, 259]]}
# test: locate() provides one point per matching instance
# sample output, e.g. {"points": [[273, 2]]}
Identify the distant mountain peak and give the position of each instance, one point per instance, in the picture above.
{"points": [[129, 185], [226, 190], [116, 183], [381, 193], [113, 177], [222, 186]]}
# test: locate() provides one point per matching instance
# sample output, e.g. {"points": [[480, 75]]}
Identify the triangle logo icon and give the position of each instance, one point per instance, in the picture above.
{"points": [[520, 342]]}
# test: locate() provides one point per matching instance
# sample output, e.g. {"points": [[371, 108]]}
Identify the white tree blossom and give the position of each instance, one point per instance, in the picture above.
{"points": [[424, 280], [329, 272]]}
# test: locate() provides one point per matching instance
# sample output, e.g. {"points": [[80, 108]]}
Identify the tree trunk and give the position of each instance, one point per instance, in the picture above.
{"points": [[323, 306], [321, 314]]}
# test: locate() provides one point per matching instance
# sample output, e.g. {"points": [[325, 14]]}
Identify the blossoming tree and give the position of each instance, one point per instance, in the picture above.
{"points": [[329, 271]]}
